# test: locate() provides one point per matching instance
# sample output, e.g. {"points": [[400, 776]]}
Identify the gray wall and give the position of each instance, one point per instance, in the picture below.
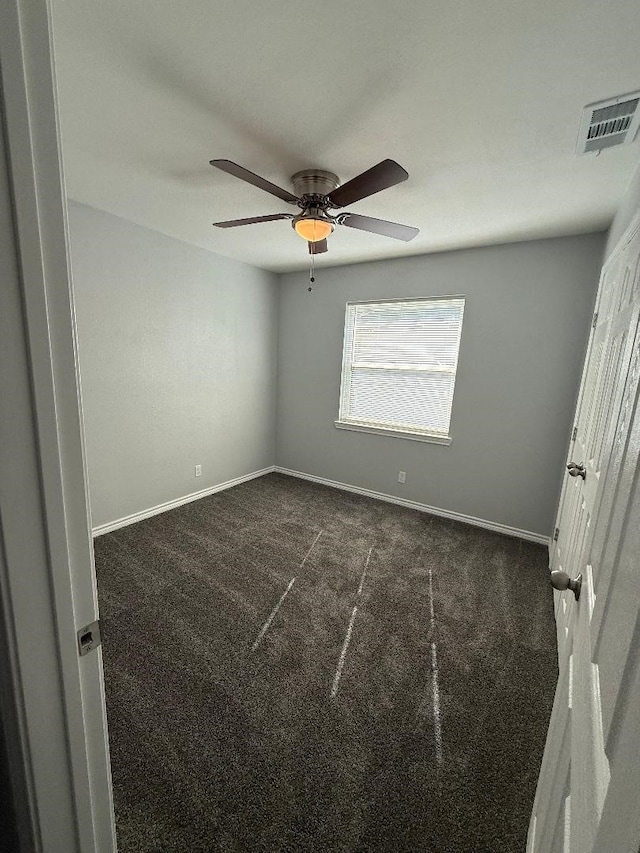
{"points": [[629, 206], [177, 350], [526, 326]]}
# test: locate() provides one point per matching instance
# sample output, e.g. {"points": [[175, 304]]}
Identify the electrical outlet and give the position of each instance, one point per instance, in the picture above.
{"points": [[198, 470], [402, 476]]}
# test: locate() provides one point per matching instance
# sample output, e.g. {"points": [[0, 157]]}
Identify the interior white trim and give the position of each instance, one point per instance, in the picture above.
{"points": [[194, 496], [396, 433], [52, 700], [527, 535]]}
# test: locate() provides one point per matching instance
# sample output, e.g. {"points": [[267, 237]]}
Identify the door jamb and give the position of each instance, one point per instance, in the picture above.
{"points": [[53, 701]]}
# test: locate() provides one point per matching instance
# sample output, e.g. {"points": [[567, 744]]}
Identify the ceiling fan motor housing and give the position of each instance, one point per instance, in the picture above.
{"points": [[312, 186], [314, 182]]}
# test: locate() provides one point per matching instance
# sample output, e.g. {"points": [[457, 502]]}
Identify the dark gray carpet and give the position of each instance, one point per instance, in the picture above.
{"points": [[218, 747]]}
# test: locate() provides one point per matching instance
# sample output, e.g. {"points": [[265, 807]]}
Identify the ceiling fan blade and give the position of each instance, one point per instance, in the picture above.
{"points": [[386, 174], [251, 178], [318, 248], [379, 226], [232, 223]]}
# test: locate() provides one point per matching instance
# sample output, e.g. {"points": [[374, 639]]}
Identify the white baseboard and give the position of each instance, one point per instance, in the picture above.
{"points": [[194, 496], [432, 510]]}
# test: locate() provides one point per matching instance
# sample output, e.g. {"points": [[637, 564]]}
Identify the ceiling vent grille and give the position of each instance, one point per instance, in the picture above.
{"points": [[609, 123]]}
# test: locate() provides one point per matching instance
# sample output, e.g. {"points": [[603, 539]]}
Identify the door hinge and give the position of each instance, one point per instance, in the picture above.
{"points": [[574, 434], [556, 533], [594, 321], [89, 638]]}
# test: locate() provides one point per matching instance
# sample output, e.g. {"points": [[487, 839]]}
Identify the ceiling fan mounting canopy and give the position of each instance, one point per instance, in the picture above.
{"points": [[314, 182], [317, 191]]}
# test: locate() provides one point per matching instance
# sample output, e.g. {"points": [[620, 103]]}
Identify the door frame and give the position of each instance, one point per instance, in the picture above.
{"points": [[51, 699]]}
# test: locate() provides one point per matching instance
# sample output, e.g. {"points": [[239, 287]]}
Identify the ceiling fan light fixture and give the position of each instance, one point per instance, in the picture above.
{"points": [[312, 229]]}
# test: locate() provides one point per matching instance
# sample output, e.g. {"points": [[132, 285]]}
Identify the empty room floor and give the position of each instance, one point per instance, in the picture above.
{"points": [[290, 667]]}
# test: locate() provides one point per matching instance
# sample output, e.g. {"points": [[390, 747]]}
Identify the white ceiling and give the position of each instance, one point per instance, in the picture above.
{"points": [[480, 102]]}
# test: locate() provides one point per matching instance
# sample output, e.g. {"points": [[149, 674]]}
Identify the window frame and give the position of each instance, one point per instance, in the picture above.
{"points": [[344, 422]]}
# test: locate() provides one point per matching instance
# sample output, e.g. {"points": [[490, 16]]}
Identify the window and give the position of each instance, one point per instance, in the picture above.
{"points": [[399, 366]]}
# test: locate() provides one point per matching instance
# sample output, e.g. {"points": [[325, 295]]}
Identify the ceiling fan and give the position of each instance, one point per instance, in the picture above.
{"points": [[317, 192]]}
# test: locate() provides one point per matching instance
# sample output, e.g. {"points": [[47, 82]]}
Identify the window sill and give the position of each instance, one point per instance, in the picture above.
{"points": [[396, 433]]}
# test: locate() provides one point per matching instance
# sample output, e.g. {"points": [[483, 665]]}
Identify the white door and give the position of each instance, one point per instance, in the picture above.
{"points": [[598, 402], [583, 772]]}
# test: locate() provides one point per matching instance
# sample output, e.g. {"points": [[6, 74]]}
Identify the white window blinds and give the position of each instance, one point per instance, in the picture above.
{"points": [[399, 365]]}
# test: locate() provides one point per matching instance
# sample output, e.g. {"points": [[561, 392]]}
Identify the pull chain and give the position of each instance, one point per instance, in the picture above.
{"points": [[311, 272]]}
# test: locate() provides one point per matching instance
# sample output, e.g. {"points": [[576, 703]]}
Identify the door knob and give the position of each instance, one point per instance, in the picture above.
{"points": [[576, 470], [562, 581]]}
